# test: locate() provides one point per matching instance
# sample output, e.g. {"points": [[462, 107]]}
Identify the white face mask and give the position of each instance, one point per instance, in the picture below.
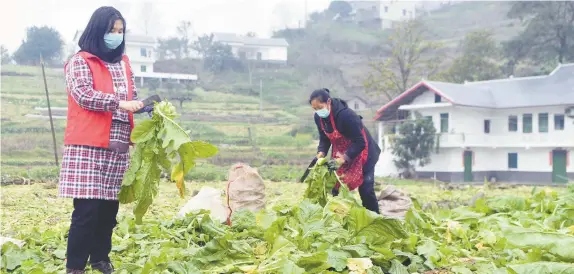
{"points": [[323, 113]]}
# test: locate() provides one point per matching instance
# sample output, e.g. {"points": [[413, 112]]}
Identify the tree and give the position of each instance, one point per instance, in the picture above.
{"points": [[4, 55], [414, 145], [515, 51], [549, 32], [219, 58], [203, 44], [477, 60], [44, 41], [185, 31], [170, 48], [411, 56], [178, 92], [341, 8]]}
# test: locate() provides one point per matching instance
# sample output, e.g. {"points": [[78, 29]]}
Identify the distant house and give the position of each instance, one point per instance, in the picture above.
{"points": [[141, 51], [273, 50], [357, 102], [511, 130], [383, 13]]}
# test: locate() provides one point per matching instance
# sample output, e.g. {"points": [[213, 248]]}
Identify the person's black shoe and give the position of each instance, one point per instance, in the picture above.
{"points": [[74, 271], [104, 267]]}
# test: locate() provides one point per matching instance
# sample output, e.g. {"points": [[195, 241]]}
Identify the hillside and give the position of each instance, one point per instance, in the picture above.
{"points": [[231, 121], [337, 55], [452, 22]]}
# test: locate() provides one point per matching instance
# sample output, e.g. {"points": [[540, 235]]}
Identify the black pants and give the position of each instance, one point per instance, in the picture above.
{"points": [[90, 233], [367, 190]]}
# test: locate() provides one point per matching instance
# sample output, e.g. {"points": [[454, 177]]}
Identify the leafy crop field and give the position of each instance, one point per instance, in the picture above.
{"points": [[517, 230]]}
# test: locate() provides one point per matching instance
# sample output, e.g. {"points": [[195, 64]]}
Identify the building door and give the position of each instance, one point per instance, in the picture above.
{"points": [[467, 161], [559, 166]]}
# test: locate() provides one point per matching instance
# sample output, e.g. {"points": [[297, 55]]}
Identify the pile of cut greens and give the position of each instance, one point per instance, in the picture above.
{"points": [[323, 234], [159, 141]]}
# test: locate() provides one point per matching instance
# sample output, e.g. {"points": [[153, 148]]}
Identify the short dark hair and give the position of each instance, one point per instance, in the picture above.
{"points": [[323, 95], [92, 39]]}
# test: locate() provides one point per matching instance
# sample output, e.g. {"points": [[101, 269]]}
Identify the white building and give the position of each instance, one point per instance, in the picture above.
{"points": [[357, 102], [513, 130], [384, 13], [141, 51], [272, 50]]}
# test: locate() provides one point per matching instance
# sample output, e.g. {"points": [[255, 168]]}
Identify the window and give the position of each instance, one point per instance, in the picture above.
{"points": [[437, 98], [386, 9], [513, 160], [259, 56], [512, 123], [404, 12], [143, 52], [558, 121], [428, 118], [356, 106], [443, 122], [542, 122], [143, 68], [486, 126], [527, 123]]}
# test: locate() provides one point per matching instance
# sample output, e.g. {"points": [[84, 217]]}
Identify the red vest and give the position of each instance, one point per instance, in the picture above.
{"points": [[92, 128]]}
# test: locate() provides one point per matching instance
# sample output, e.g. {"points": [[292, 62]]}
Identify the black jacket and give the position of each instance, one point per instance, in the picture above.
{"points": [[349, 125]]}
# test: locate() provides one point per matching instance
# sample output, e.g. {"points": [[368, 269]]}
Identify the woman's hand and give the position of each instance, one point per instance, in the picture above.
{"points": [[320, 155], [131, 106], [340, 159]]}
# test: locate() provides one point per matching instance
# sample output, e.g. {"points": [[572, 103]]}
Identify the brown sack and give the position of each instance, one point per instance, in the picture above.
{"points": [[393, 202], [245, 189]]}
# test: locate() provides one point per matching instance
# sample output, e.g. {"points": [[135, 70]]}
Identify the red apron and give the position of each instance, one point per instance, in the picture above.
{"points": [[351, 173]]}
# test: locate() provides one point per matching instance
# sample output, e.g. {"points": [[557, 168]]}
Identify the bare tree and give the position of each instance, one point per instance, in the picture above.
{"points": [[185, 32], [411, 56]]}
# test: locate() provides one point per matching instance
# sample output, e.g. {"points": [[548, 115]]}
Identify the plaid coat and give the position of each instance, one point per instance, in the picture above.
{"points": [[91, 172]]}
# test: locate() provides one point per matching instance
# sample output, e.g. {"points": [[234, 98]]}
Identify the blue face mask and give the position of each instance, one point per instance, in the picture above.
{"points": [[113, 40], [323, 113]]}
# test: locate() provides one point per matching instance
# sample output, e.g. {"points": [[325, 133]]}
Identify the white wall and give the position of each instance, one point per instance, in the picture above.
{"points": [[360, 104], [267, 53], [447, 160], [496, 159], [466, 125], [134, 52], [275, 53], [394, 11]]}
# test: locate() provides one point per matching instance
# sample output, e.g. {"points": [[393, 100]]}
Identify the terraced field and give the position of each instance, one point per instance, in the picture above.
{"points": [[233, 122]]}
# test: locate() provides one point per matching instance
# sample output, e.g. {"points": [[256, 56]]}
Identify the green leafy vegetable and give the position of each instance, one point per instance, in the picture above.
{"points": [[158, 143], [497, 235]]}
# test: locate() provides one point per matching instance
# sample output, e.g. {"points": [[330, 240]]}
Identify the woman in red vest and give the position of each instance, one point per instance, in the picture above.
{"points": [[101, 101]]}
